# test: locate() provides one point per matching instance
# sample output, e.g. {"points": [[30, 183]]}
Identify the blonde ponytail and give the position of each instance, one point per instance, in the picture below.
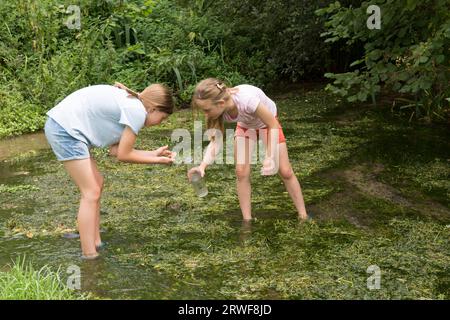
{"points": [[124, 87], [216, 124], [157, 95]]}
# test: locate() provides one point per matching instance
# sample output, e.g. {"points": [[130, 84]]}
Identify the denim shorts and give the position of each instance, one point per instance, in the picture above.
{"points": [[63, 144]]}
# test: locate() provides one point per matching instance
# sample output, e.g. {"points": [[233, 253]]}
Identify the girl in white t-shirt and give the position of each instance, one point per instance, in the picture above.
{"points": [[256, 115], [100, 116]]}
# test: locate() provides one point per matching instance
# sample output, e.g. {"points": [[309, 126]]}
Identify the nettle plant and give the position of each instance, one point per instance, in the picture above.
{"points": [[408, 54]]}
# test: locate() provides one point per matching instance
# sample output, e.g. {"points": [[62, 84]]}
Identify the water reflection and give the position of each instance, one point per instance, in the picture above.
{"points": [[25, 143]]}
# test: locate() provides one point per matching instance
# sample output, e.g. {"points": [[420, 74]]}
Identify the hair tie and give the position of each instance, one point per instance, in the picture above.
{"points": [[220, 86]]}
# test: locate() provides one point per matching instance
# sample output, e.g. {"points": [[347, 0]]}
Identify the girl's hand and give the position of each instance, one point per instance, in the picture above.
{"points": [[198, 170], [165, 152], [119, 85], [113, 150], [164, 160], [269, 168]]}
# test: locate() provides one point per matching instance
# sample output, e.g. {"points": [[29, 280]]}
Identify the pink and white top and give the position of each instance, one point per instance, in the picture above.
{"points": [[247, 98]]}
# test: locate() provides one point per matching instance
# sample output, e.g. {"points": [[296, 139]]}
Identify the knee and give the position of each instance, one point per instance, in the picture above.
{"points": [[93, 194], [242, 173], [286, 173], [101, 182]]}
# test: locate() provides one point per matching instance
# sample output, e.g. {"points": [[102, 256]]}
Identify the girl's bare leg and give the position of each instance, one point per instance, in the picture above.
{"points": [[243, 151], [290, 181], [99, 179], [83, 175]]}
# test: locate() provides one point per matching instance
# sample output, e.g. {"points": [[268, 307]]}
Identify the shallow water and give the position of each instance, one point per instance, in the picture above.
{"points": [[106, 277], [163, 242], [29, 142], [109, 276]]}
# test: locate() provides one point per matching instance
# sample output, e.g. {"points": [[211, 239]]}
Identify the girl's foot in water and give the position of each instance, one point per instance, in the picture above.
{"points": [[71, 235], [100, 246], [91, 256], [307, 218]]}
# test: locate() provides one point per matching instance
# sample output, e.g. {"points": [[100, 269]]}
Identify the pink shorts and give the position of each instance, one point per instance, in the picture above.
{"points": [[253, 134]]}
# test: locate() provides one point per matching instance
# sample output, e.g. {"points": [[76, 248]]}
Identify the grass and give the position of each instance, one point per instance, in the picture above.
{"points": [[377, 186], [17, 188], [23, 282]]}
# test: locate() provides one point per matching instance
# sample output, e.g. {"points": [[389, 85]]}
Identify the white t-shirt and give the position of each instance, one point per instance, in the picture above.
{"points": [[97, 115], [247, 98]]}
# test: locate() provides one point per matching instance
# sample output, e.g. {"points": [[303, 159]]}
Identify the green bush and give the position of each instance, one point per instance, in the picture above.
{"points": [[270, 40], [137, 43], [409, 55], [18, 115], [181, 42]]}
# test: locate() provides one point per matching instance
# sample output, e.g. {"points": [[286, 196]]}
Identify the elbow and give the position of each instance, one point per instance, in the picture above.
{"points": [[123, 157], [113, 151], [274, 126]]}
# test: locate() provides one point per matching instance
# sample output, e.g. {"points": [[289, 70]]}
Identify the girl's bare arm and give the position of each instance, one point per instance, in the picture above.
{"points": [[125, 151], [269, 120]]}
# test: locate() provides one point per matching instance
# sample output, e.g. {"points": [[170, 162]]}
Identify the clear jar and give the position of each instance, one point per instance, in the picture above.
{"points": [[199, 185]]}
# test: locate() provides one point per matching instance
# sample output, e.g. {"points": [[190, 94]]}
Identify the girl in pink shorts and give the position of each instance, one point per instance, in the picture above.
{"points": [[256, 115]]}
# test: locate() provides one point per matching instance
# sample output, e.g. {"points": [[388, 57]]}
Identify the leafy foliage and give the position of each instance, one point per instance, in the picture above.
{"points": [[270, 39], [409, 55], [139, 42], [180, 42]]}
